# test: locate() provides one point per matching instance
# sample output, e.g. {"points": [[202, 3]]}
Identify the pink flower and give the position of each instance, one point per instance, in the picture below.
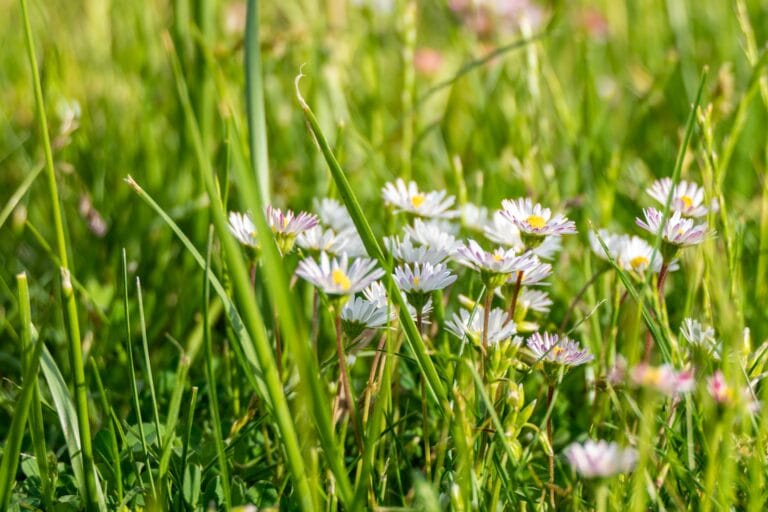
{"points": [[664, 379]]}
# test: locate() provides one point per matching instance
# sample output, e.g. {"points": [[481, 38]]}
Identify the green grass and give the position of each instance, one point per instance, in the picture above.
{"points": [[139, 362]]}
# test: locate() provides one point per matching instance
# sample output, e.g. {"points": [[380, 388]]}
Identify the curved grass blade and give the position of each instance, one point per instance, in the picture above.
{"points": [[251, 315], [416, 343]]}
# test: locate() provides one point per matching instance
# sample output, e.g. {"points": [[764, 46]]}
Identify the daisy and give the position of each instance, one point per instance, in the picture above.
{"points": [[287, 225], [359, 314], [242, 228], [337, 277], [551, 348], [503, 231], [677, 231], [474, 217], [615, 243], [637, 255], [470, 324], [664, 379], [687, 197], [534, 300], [700, 337], [719, 389], [377, 294], [407, 252], [317, 240], [534, 221], [536, 272], [496, 266], [334, 214], [408, 198], [596, 459], [418, 281], [349, 241], [433, 236]]}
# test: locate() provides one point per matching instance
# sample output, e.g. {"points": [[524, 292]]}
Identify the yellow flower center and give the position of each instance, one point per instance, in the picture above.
{"points": [[536, 221], [497, 257], [556, 351], [416, 280], [638, 261], [687, 201], [652, 377], [340, 278], [418, 200]]}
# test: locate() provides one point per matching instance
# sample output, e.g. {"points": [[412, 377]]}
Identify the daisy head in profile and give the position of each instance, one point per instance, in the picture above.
{"points": [[360, 314], [242, 228], [534, 221], [552, 349], [337, 277], [409, 199], [419, 280], [286, 226], [600, 459], [495, 267], [676, 232], [687, 196]]}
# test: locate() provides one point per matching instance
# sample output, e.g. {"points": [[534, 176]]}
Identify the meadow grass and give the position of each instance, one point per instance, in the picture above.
{"points": [[154, 358]]}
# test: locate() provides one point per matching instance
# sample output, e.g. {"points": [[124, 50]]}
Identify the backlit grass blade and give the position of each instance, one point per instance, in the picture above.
{"points": [[254, 98], [247, 302], [16, 197], [416, 343], [36, 427], [12, 444]]}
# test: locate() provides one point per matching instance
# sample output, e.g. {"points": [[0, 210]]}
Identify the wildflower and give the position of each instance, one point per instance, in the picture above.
{"points": [[503, 231], [349, 241], [377, 294], [408, 198], [534, 221], [551, 348], [337, 277], [687, 197], [677, 231], [719, 389], [495, 267], [664, 379], [474, 217], [432, 235], [700, 337], [334, 214], [287, 225], [359, 314], [613, 242], [242, 228], [407, 252], [596, 459], [317, 239], [536, 272], [534, 300], [417, 281], [470, 324]]}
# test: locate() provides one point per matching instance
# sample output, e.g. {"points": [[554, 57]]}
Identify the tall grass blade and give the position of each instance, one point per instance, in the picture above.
{"points": [[254, 98]]}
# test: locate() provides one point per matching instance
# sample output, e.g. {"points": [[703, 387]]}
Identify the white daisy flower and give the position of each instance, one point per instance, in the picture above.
{"points": [[636, 255], [242, 228], [536, 272], [359, 314], [349, 241], [407, 252], [687, 197], [474, 217], [600, 459], [503, 231], [423, 277], [377, 294], [317, 239], [337, 277], [551, 348], [700, 336], [615, 243], [496, 265], [408, 198], [534, 300], [334, 214], [535, 221], [678, 231], [470, 324], [664, 379], [432, 235], [287, 225]]}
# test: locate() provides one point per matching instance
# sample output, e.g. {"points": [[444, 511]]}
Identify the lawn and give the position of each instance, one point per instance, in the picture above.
{"points": [[383, 255]]}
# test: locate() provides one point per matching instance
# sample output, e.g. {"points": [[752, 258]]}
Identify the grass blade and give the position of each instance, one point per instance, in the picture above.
{"points": [[254, 97]]}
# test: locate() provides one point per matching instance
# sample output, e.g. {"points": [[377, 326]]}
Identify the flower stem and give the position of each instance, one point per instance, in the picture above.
{"points": [[344, 378], [515, 295], [486, 317], [663, 272], [550, 396], [424, 418]]}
